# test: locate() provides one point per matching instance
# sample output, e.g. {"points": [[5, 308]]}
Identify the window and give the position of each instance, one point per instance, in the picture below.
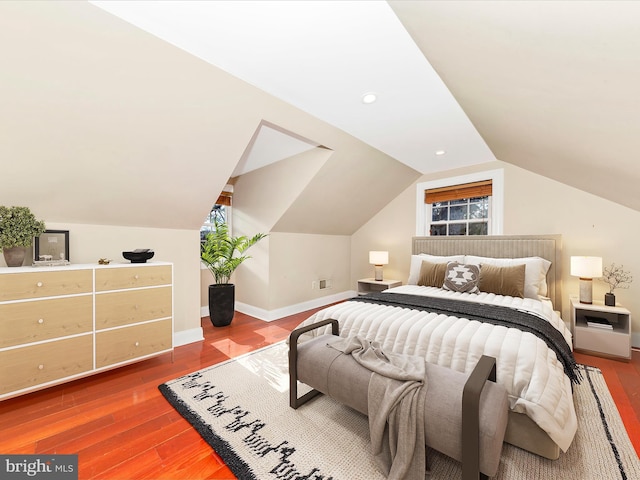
{"points": [[464, 205], [459, 209], [467, 216], [220, 213]]}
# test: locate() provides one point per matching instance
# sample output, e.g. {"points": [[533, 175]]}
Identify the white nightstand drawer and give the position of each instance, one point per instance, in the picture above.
{"points": [[614, 341], [597, 340]]}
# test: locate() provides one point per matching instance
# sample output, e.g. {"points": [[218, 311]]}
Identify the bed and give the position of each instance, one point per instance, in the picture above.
{"points": [[514, 317]]}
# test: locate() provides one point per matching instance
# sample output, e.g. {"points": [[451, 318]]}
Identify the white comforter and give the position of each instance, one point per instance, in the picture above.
{"points": [[530, 371]]}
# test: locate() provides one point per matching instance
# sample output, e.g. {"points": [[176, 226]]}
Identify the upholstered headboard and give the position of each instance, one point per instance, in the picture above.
{"points": [[548, 247]]}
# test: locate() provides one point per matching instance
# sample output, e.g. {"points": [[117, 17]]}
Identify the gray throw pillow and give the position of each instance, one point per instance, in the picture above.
{"points": [[461, 278]]}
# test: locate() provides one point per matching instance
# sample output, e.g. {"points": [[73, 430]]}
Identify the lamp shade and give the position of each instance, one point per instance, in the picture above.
{"points": [[378, 258], [586, 267]]}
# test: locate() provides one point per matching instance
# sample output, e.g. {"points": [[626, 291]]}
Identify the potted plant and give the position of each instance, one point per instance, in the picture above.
{"points": [[616, 277], [18, 227], [222, 254]]}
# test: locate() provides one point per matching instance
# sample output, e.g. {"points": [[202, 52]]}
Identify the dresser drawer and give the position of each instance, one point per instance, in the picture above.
{"points": [[126, 307], [20, 286], [132, 277], [33, 321], [31, 366], [129, 343]]}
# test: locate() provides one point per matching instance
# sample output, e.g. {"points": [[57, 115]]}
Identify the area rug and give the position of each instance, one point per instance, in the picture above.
{"points": [[241, 408]]}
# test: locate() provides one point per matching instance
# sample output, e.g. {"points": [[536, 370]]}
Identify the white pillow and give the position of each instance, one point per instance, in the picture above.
{"points": [[535, 271], [416, 263]]}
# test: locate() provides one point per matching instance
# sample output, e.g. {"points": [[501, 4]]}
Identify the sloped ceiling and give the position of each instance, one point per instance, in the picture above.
{"points": [[271, 144], [103, 123], [322, 56], [552, 87]]}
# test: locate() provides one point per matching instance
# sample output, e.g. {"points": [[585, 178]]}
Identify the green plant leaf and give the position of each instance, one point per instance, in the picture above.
{"points": [[222, 254], [18, 227]]}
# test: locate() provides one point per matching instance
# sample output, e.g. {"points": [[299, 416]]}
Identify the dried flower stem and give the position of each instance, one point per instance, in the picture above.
{"points": [[616, 277]]}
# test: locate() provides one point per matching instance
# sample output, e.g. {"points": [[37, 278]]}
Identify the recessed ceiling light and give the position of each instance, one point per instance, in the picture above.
{"points": [[369, 97], [440, 152]]}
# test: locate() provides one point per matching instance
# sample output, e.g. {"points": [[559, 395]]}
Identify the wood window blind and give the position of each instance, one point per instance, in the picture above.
{"points": [[457, 192], [224, 199]]}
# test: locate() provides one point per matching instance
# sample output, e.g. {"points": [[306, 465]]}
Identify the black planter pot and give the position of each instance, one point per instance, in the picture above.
{"points": [[610, 299], [222, 303]]}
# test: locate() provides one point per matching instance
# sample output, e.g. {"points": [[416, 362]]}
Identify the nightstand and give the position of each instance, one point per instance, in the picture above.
{"points": [[368, 285], [601, 330]]}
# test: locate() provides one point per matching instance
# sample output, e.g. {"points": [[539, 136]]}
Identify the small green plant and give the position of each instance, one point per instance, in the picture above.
{"points": [[18, 226], [222, 254], [616, 277]]}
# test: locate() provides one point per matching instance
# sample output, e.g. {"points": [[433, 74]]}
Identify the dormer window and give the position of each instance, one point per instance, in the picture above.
{"points": [[220, 213]]}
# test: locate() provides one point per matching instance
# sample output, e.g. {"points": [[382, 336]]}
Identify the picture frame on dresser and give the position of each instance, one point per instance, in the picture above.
{"points": [[52, 245]]}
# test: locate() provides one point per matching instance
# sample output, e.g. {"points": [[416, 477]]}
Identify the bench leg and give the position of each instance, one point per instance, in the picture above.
{"points": [[483, 371], [294, 401]]}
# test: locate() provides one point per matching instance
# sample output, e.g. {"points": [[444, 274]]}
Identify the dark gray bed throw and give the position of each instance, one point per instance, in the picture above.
{"points": [[487, 313]]}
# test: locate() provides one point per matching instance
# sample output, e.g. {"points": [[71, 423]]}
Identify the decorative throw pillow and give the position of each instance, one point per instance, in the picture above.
{"points": [[461, 278], [432, 274], [535, 273], [416, 264], [502, 280]]}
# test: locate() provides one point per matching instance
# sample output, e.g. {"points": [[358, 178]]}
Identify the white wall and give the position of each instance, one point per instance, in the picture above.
{"points": [[589, 225], [89, 243], [298, 260], [278, 279], [534, 204]]}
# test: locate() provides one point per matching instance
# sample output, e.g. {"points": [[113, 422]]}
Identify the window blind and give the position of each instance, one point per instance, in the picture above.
{"points": [[224, 199], [457, 192]]}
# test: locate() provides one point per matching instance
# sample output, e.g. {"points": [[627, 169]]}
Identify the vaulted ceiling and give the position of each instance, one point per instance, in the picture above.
{"points": [[140, 118], [548, 86], [323, 57], [104, 123]]}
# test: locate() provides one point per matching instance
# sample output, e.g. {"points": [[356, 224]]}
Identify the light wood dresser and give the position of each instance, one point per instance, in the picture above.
{"points": [[61, 323]]}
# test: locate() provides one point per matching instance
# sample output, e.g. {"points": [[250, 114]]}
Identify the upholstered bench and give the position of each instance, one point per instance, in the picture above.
{"points": [[465, 415]]}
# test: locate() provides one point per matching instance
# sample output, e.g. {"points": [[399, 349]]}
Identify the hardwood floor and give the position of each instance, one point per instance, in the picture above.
{"points": [[623, 380], [122, 428]]}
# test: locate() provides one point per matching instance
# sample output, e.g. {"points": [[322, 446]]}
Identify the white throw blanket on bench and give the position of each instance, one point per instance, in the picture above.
{"points": [[396, 399]]}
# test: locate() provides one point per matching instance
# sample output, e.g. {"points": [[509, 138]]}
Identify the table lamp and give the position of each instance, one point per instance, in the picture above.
{"points": [[378, 259], [587, 268]]}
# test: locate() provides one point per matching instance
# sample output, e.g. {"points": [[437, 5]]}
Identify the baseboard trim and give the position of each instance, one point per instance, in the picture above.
{"points": [[187, 336], [271, 315]]}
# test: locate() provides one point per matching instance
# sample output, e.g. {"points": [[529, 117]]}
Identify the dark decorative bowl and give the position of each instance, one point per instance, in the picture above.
{"points": [[138, 257]]}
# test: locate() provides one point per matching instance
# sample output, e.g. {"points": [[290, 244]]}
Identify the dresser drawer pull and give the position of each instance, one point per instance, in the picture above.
{"points": [[137, 344], [39, 284], [136, 277], [41, 321], [41, 367]]}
